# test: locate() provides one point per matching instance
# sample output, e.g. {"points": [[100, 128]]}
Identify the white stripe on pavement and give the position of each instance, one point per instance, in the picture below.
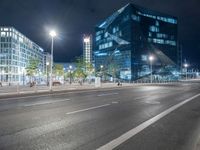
{"points": [[107, 94], [47, 102], [91, 108], [126, 136]]}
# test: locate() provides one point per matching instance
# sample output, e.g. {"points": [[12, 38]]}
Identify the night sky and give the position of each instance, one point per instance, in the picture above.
{"points": [[73, 18]]}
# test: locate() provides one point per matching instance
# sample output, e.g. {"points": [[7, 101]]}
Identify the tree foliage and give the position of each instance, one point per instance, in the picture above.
{"points": [[32, 67], [58, 69], [83, 69]]}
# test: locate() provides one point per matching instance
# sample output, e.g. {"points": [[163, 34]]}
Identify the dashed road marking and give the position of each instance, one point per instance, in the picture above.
{"points": [[47, 102], [107, 94], [87, 109]]}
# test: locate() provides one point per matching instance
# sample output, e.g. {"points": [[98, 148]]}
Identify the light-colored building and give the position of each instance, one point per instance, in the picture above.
{"points": [[15, 52], [46, 61], [87, 48]]}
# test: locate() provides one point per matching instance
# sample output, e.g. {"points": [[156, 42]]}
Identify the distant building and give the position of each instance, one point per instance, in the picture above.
{"points": [[127, 38], [87, 48], [15, 52], [46, 61]]}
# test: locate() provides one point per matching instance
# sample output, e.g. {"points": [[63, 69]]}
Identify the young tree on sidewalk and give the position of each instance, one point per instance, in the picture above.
{"points": [[31, 69]]}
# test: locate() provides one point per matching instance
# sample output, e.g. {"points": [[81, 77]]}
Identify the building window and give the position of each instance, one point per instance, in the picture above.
{"points": [[150, 34], [115, 29], [3, 34], [157, 23], [98, 38], [135, 18], [173, 43], [106, 35], [154, 29], [161, 35], [159, 41]]}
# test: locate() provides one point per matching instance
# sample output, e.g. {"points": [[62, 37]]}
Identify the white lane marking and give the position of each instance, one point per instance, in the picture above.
{"points": [[107, 94], [152, 102], [115, 102], [91, 108], [47, 102], [126, 136]]}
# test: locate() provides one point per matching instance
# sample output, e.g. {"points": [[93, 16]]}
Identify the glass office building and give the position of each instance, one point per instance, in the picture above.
{"points": [[127, 38], [15, 52]]}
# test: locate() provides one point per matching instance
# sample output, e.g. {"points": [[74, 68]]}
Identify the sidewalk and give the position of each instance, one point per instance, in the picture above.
{"points": [[10, 91], [26, 90]]}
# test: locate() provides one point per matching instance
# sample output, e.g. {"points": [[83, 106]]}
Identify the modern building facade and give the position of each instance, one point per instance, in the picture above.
{"points": [[87, 48], [126, 39], [46, 61], [15, 52]]}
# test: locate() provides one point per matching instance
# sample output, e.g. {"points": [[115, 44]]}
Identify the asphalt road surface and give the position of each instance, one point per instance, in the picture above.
{"points": [[153, 117]]}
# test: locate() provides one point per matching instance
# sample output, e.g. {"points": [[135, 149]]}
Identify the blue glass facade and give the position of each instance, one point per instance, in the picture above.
{"points": [[130, 35]]}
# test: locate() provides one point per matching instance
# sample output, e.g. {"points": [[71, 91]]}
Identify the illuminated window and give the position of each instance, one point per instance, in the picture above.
{"points": [[98, 38], [157, 23], [135, 18], [161, 35], [173, 43], [154, 29], [106, 35], [3, 34], [5, 29], [159, 41], [115, 29], [150, 34]]}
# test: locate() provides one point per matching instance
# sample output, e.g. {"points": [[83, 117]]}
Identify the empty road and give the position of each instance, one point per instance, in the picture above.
{"points": [[148, 117]]}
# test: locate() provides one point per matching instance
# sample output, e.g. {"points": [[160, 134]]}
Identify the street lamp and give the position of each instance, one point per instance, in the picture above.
{"points": [[101, 71], [52, 34], [23, 70], [186, 66], [70, 74], [151, 58], [3, 72], [47, 64]]}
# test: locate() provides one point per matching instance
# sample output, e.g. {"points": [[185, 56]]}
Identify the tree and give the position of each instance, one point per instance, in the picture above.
{"points": [[83, 69], [32, 67], [89, 69], [58, 70], [113, 70], [80, 71]]}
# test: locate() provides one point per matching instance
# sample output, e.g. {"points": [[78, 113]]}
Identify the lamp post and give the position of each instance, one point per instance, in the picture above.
{"points": [[186, 66], [23, 76], [47, 64], [151, 58], [3, 73], [101, 71], [52, 34], [70, 74]]}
